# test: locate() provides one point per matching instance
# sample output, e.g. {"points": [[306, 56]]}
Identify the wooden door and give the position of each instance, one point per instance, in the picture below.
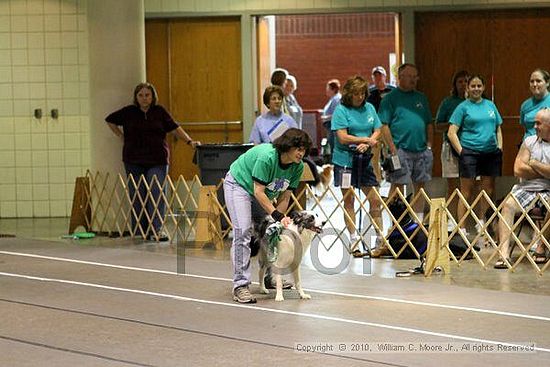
{"points": [[156, 55], [504, 46], [202, 72]]}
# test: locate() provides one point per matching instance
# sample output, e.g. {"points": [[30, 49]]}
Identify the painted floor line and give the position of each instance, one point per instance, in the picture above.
{"points": [[332, 293], [265, 309]]}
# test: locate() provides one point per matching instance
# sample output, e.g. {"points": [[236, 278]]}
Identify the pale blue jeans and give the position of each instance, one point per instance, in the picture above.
{"points": [[243, 210]]}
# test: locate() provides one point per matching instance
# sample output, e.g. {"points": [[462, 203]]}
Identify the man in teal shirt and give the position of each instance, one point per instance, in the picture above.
{"points": [[405, 115]]}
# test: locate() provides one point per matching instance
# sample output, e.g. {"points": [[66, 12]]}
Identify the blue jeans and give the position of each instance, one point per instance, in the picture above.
{"points": [[140, 216]]}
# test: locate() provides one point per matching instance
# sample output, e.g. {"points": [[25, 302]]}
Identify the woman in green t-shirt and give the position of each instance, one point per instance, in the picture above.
{"points": [[262, 174]]}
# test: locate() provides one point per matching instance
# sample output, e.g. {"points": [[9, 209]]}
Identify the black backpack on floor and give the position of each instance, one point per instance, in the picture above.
{"points": [[419, 241]]}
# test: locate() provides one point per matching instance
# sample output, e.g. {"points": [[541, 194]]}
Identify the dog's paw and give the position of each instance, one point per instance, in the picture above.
{"points": [[264, 290], [279, 297], [305, 296]]}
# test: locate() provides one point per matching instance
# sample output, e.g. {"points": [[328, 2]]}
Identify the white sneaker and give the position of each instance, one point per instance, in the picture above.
{"points": [[479, 227], [378, 241], [451, 224], [353, 239], [482, 240]]}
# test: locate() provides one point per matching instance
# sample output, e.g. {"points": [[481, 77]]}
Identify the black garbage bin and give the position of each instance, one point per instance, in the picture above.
{"points": [[214, 161]]}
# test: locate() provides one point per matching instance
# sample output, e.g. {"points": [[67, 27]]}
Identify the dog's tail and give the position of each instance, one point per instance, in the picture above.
{"points": [[313, 168], [258, 234], [254, 246]]}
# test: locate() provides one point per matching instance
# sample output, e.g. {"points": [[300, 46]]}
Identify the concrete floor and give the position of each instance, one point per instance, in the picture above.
{"points": [[121, 302]]}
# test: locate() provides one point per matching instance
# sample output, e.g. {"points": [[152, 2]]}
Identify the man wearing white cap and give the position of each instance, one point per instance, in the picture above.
{"points": [[379, 88]]}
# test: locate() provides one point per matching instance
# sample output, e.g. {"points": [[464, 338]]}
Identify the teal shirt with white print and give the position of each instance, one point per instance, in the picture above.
{"points": [[446, 109], [529, 108], [358, 121], [262, 164], [477, 123], [407, 114]]}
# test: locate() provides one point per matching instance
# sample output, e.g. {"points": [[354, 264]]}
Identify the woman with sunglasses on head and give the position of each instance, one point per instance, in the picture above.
{"points": [[274, 122], [356, 124]]}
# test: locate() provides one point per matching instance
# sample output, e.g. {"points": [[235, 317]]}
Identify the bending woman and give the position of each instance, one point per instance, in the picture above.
{"points": [[262, 174]]}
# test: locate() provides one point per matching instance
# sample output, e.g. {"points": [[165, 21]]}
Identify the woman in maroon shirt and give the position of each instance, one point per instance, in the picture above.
{"points": [[144, 127]]}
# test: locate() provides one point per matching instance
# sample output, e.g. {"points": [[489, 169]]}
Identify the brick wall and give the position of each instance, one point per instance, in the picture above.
{"points": [[316, 49]]}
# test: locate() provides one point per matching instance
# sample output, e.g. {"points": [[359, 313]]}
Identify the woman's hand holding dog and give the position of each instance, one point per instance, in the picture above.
{"points": [[280, 217], [286, 221]]}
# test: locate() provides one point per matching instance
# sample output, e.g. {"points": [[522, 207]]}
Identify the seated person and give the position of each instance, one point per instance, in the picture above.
{"points": [[272, 124], [532, 166]]}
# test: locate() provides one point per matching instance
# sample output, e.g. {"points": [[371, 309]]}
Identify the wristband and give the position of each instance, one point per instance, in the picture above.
{"points": [[277, 215]]}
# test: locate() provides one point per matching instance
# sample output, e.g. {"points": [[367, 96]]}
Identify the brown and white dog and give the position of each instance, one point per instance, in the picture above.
{"points": [[294, 242], [322, 177]]}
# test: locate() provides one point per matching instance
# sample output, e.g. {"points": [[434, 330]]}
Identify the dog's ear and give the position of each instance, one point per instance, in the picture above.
{"points": [[294, 215]]}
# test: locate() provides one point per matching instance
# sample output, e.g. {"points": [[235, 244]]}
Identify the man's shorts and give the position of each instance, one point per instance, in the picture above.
{"points": [[415, 167], [525, 197], [472, 163], [449, 162]]}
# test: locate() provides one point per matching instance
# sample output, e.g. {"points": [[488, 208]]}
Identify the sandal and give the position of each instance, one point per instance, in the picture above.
{"points": [[359, 253], [380, 251], [501, 264], [540, 258]]}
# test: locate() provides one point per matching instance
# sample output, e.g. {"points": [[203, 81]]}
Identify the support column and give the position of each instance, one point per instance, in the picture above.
{"points": [[248, 73], [116, 36]]}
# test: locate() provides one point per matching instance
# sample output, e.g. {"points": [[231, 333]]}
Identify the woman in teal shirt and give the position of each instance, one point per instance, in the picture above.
{"points": [[449, 161], [356, 123], [539, 87], [476, 136]]}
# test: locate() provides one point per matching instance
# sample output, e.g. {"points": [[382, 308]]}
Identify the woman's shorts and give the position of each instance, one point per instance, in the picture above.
{"points": [[473, 163], [449, 161], [367, 177]]}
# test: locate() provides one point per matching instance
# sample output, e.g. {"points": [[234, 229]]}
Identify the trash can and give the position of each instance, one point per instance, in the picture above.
{"points": [[214, 160]]}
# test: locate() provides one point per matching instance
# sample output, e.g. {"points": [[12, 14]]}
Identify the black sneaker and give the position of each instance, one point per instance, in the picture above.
{"points": [[242, 295], [270, 283], [161, 238]]}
